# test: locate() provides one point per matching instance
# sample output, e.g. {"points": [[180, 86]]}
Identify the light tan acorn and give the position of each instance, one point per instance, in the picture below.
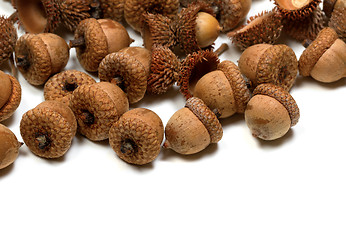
{"points": [[326, 52], [224, 89], [9, 147], [271, 112], [10, 95], [95, 39], [48, 129], [8, 36], [37, 16], [135, 9], [61, 85], [192, 128], [137, 136], [38, 56], [96, 107], [296, 9], [265, 63]]}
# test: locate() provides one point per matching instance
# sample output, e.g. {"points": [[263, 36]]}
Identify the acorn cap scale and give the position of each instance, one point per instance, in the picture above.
{"points": [[8, 36]]}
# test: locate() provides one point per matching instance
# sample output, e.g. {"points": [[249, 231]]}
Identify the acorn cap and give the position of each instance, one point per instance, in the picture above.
{"points": [[133, 75], [293, 10], [207, 117], [328, 6], [8, 36], [73, 12], [8, 109], [96, 46], [338, 22], [64, 83], [282, 96], [134, 10], [315, 50], [164, 70], [263, 28], [55, 123], [232, 12], [240, 90], [113, 9], [193, 67]]}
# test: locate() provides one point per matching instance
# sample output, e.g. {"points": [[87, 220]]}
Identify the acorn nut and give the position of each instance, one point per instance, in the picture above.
{"points": [[137, 136], [9, 147], [8, 36]]}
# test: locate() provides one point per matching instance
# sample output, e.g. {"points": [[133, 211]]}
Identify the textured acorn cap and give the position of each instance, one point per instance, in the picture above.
{"points": [[9, 147], [96, 107], [37, 16], [282, 96], [263, 28], [232, 12], [134, 10], [328, 6], [315, 50], [296, 9], [164, 70], [73, 12], [48, 129], [207, 117], [62, 85], [137, 136], [14, 98], [193, 67], [8, 36], [113, 9], [338, 22]]}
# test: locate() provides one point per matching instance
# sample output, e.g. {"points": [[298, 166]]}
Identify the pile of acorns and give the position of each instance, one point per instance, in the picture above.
{"points": [[178, 49]]}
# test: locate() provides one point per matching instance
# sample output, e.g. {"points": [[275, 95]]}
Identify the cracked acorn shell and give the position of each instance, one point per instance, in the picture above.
{"points": [[224, 89], [265, 63], [10, 95], [192, 128], [95, 39], [134, 10], [8, 36], [263, 28], [48, 129], [327, 52], [137, 136], [61, 85], [96, 107], [9, 147], [129, 69], [38, 56], [296, 9], [271, 112]]}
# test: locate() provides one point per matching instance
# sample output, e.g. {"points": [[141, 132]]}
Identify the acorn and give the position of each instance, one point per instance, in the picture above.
{"points": [[192, 128], [8, 36], [330, 5], [265, 63], [137, 136], [96, 107], [113, 9], [296, 9], [263, 28], [38, 16], [9, 147], [95, 39], [73, 12], [135, 9], [232, 12], [326, 52], [61, 86], [224, 89], [38, 56], [48, 129], [10, 95], [271, 112], [337, 19], [129, 69]]}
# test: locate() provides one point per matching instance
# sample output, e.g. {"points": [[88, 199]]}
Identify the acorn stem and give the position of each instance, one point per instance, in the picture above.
{"points": [[307, 42], [13, 17], [217, 112], [95, 9], [43, 141], [128, 147], [79, 42], [119, 81], [13, 66], [87, 117], [224, 47], [23, 62]]}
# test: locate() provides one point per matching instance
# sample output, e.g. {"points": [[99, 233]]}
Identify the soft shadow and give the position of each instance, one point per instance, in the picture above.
{"points": [[170, 95], [141, 168], [6, 67], [7, 170], [232, 120], [278, 142], [9, 121], [55, 160], [300, 81]]}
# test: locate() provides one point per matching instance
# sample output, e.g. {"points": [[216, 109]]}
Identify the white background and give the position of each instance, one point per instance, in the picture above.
{"points": [[240, 188]]}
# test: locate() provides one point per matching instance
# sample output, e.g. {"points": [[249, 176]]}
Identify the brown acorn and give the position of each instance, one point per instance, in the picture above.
{"points": [[73, 12], [224, 89], [296, 9], [95, 39], [232, 12], [96, 107], [192, 128], [338, 19], [265, 63], [48, 129], [10, 95], [271, 112], [137, 136], [135, 9], [326, 52], [38, 56], [113, 9], [61, 85], [8, 36], [9, 147]]}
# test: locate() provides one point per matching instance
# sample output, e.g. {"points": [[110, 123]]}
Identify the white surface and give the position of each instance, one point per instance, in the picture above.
{"points": [[241, 188]]}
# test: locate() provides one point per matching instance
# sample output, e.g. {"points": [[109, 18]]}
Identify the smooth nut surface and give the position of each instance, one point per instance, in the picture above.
{"points": [[9, 147]]}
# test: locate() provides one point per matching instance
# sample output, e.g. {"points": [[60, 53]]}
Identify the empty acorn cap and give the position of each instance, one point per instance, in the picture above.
{"points": [[296, 9], [11, 93]]}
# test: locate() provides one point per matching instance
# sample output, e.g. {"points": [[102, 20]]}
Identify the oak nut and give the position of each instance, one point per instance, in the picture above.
{"points": [[137, 136], [9, 147], [192, 128], [48, 129], [38, 56], [271, 112], [8, 40], [10, 95]]}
